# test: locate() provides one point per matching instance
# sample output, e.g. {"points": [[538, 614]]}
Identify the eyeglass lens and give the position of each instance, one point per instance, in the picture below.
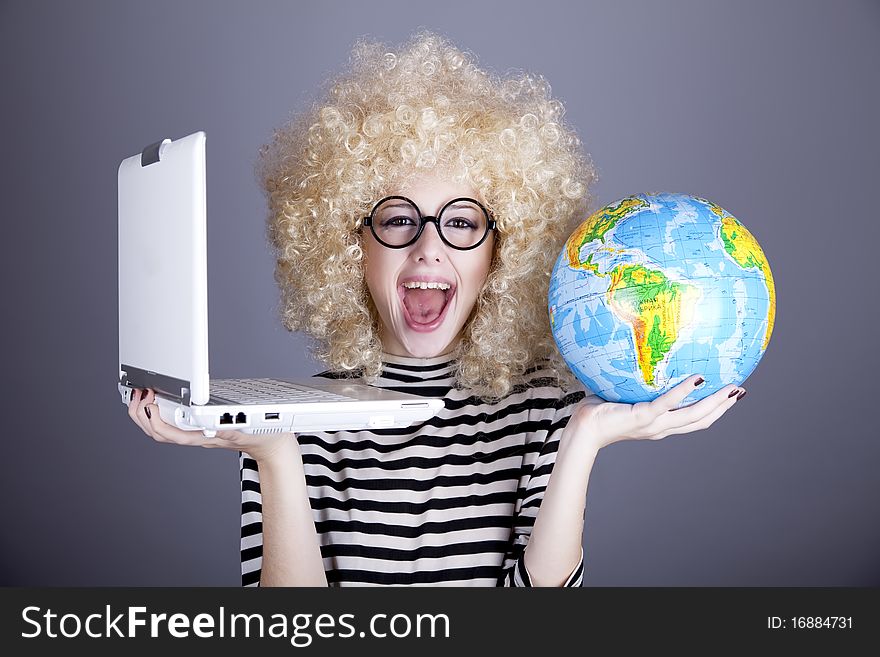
{"points": [[396, 222]]}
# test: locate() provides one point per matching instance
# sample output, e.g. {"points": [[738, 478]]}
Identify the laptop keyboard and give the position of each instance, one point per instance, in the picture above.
{"points": [[269, 391]]}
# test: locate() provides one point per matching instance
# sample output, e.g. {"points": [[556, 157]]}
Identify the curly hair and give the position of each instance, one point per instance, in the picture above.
{"points": [[397, 114]]}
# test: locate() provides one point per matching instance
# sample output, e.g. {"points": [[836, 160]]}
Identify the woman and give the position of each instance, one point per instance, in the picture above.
{"points": [[416, 211]]}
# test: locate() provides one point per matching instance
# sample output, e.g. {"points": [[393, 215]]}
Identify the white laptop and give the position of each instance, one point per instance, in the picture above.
{"points": [[163, 318]]}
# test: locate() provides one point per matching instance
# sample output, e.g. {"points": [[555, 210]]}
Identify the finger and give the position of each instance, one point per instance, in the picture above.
{"points": [[229, 439], [145, 414], [592, 399], [647, 414], [672, 398], [706, 421], [166, 433], [136, 410], [132, 403], [148, 413], [717, 402]]}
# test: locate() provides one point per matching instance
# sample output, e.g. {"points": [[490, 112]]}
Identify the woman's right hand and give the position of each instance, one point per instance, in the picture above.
{"points": [[262, 448]]}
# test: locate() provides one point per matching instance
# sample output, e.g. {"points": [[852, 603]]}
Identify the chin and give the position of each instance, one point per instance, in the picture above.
{"points": [[428, 345], [427, 348]]}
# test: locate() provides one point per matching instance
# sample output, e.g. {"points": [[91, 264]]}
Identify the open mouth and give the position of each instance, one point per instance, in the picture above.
{"points": [[424, 309]]}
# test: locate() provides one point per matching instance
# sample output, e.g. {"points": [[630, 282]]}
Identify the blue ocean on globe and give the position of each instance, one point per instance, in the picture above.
{"points": [[656, 287]]}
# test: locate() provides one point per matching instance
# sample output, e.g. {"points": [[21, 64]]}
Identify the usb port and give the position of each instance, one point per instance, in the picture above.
{"points": [[273, 416]]}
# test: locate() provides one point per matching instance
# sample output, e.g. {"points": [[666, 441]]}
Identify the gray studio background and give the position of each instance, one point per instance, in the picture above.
{"points": [[767, 108]]}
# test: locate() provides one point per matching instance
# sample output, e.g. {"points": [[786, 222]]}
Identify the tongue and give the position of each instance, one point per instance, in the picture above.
{"points": [[424, 306]]}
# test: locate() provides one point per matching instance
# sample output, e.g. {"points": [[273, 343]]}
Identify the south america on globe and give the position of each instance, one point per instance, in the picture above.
{"points": [[656, 287]]}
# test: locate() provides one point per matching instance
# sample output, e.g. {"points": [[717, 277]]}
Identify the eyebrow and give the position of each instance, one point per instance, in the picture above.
{"points": [[397, 205], [407, 205]]}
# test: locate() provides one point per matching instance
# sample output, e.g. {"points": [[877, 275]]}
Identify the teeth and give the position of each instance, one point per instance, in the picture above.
{"points": [[426, 286]]}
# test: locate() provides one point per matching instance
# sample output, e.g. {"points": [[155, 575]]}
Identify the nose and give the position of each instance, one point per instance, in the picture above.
{"points": [[429, 245]]}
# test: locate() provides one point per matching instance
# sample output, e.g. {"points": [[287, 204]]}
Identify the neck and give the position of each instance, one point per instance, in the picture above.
{"points": [[409, 359], [397, 350]]}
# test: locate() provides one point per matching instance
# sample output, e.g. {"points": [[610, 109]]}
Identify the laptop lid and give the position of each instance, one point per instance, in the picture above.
{"points": [[163, 272]]}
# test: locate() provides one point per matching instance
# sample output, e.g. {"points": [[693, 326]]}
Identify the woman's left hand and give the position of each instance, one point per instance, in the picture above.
{"points": [[603, 423]]}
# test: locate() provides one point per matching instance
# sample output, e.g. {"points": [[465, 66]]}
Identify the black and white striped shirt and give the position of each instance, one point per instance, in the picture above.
{"points": [[450, 501]]}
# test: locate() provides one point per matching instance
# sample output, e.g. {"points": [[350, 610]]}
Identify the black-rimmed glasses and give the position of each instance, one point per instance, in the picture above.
{"points": [[397, 222]]}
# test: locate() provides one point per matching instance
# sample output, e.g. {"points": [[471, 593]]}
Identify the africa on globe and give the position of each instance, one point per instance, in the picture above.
{"points": [[656, 287]]}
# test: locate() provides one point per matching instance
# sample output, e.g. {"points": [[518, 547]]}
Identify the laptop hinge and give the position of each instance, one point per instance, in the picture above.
{"points": [[150, 154], [169, 386]]}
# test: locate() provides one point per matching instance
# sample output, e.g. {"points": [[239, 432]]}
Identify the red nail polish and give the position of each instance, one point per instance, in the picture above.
{"points": [[743, 394], [698, 381], [732, 393], [147, 411]]}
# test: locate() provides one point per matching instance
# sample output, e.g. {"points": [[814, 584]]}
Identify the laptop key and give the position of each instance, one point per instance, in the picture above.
{"points": [[269, 391]]}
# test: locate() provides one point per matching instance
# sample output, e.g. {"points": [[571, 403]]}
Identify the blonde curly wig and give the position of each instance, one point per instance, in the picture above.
{"points": [[398, 114]]}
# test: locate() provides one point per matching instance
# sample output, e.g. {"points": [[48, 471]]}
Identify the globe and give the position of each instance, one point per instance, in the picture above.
{"points": [[656, 287]]}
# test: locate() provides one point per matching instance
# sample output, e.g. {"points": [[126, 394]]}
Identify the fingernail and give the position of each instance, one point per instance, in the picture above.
{"points": [[698, 382], [144, 393], [732, 393], [742, 394], [147, 411]]}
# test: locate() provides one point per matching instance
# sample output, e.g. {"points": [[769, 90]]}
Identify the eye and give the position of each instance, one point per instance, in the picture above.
{"points": [[459, 223], [400, 220]]}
